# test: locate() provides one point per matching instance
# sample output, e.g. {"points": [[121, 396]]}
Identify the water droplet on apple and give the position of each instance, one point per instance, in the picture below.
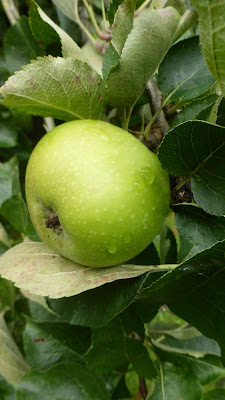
{"points": [[147, 174], [112, 248], [139, 183], [127, 238], [106, 137]]}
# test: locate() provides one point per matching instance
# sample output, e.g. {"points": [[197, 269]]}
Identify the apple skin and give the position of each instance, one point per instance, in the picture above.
{"points": [[95, 193]]}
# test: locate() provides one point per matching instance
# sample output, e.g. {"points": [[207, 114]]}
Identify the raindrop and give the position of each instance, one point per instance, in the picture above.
{"points": [[139, 183], [147, 174], [112, 248]]}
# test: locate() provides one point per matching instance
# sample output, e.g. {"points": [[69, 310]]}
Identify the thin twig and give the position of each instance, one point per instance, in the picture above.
{"points": [[91, 13], [142, 388], [81, 25], [146, 3], [156, 104], [103, 14], [11, 11]]}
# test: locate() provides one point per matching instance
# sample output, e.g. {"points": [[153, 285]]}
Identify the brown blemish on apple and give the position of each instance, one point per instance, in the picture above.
{"points": [[52, 222]]}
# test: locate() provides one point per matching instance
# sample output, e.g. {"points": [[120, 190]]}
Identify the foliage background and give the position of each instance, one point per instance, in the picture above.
{"points": [[159, 73]]}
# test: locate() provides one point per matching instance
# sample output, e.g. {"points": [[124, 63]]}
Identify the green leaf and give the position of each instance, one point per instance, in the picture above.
{"points": [[212, 36], [147, 44], [4, 72], [15, 211], [204, 114], [31, 233], [187, 21], [61, 88], [140, 359], [113, 7], [49, 35], [123, 24], [221, 113], [132, 322], [7, 391], [70, 27], [181, 347], [7, 295], [20, 46], [196, 149], [178, 4], [188, 341], [108, 351], [110, 61], [3, 248], [93, 56], [44, 33], [176, 383], [9, 180], [191, 110], [194, 291], [4, 235], [88, 309], [149, 256], [8, 134], [12, 364], [67, 7], [168, 246], [25, 264], [48, 343], [65, 381], [200, 229], [191, 79], [216, 394]]}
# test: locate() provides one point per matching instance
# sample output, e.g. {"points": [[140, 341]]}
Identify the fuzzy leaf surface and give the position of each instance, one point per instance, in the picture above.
{"points": [[147, 44], [61, 88], [123, 23], [212, 36], [197, 149], [181, 80], [35, 267]]}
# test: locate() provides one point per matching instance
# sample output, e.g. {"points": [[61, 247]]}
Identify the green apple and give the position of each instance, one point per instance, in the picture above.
{"points": [[95, 193]]}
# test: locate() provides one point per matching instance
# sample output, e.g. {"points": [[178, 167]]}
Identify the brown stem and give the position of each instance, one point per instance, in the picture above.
{"points": [[142, 388], [156, 100]]}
